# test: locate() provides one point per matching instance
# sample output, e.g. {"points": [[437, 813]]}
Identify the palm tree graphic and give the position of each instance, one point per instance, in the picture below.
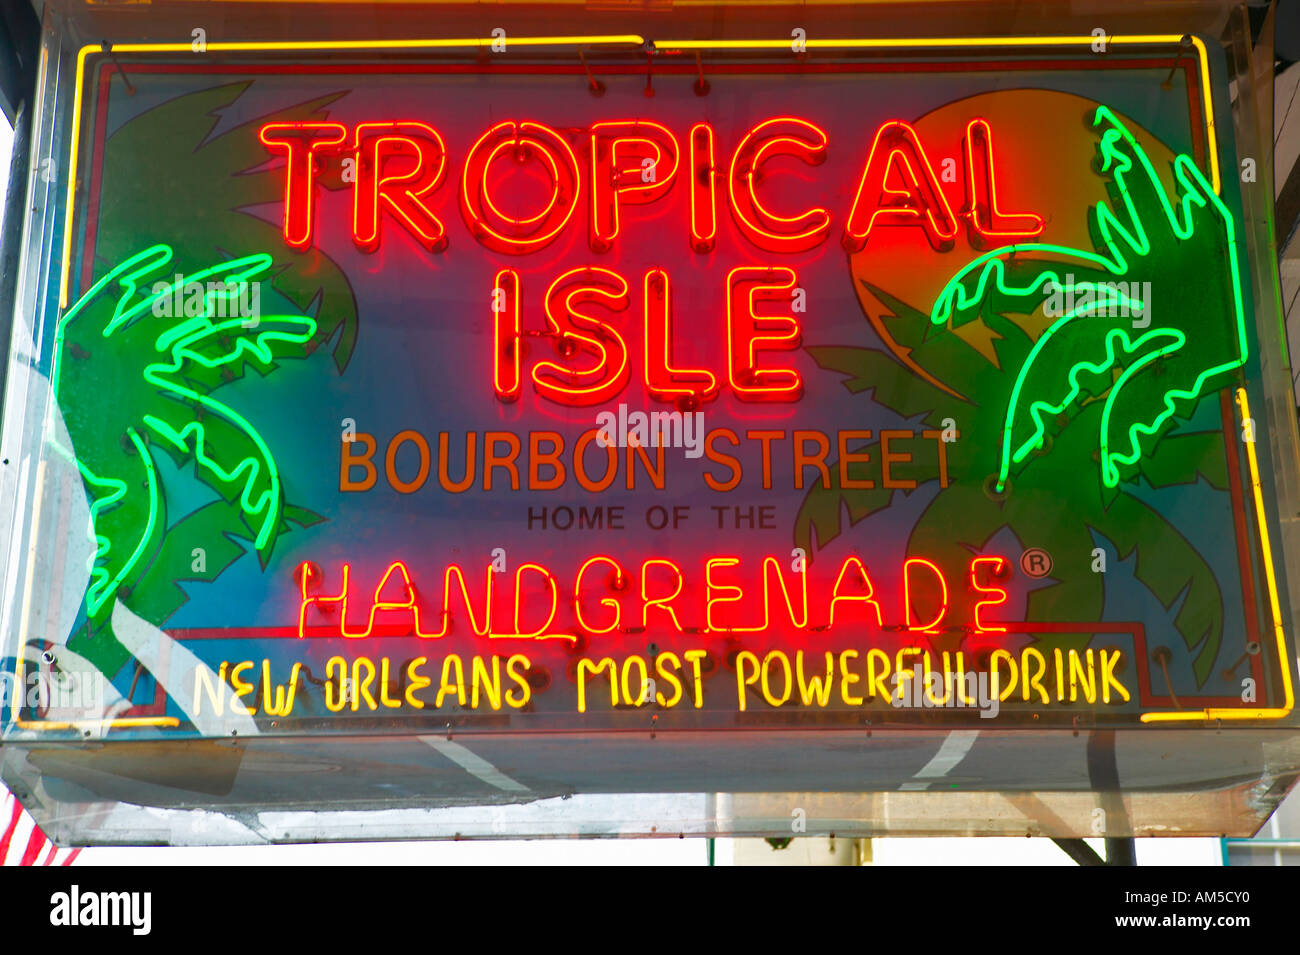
{"points": [[1068, 423], [130, 384], [1148, 235], [126, 380]]}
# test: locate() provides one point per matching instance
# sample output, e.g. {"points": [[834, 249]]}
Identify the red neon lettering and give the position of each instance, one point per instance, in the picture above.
{"points": [[928, 627], [609, 375], [301, 143], [661, 602], [782, 136], [544, 631], [327, 604], [997, 567], [609, 602], [920, 201], [408, 603], [518, 235], [653, 152], [662, 380], [772, 568], [380, 605], [863, 583], [703, 188], [507, 336], [853, 587], [733, 594], [749, 333], [401, 194], [986, 220], [447, 618]]}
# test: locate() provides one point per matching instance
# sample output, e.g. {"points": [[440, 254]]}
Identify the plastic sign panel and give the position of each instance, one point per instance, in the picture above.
{"points": [[443, 397]]}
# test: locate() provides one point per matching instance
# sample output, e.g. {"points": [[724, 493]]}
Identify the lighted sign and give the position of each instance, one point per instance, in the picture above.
{"points": [[461, 398]]}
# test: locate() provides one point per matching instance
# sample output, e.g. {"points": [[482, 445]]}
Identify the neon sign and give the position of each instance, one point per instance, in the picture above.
{"points": [[635, 162], [194, 341], [1143, 234], [711, 614], [742, 397]]}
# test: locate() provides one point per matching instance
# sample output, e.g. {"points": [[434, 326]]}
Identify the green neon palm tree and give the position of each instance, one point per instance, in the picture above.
{"points": [[127, 381], [1061, 429], [169, 173], [126, 396], [1164, 369]]}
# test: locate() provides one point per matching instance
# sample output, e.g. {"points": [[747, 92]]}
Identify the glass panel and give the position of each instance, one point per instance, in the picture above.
{"points": [[529, 434]]}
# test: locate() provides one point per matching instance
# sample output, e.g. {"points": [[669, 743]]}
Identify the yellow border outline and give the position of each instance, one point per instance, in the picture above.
{"points": [[112, 723], [1232, 713]]}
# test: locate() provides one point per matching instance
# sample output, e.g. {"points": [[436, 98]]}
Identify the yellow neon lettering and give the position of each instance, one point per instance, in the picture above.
{"points": [[634, 693], [905, 672], [789, 681], [876, 681], [361, 687], [1078, 675], [446, 685], [415, 681], [241, 688], [966, 690], [491, 683], [279, 705], [847, 679], [743, 658], [928, 683], [585, 666], [693, 657], [336, 699], [669, 677], [995, 675], [1109, 661], [815, 687], [384, 698], [1033, 681], [215, 696], [520, 700]]}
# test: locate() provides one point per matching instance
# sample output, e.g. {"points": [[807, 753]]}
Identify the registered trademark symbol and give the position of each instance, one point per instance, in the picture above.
{"points": [[1036, 562]]}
